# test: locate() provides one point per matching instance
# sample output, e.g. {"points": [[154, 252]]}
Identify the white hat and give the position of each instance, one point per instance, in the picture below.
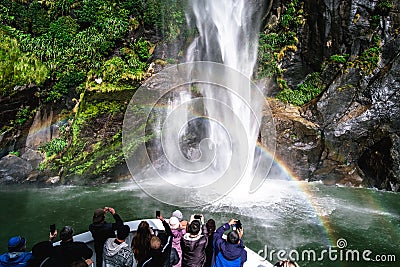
{"points": [[178, 214], [174, 222]]}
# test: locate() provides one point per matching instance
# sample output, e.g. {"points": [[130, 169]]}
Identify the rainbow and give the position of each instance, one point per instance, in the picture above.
{"points": [[321, 220]]}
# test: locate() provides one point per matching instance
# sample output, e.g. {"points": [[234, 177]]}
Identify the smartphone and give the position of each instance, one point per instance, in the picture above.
{"points": [[238, 224], [198, 217], [158, 213], [52, 228], [234, 228]]}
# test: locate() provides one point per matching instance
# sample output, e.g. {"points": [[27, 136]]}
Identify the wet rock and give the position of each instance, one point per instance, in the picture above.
{"points": [[53, 180], [298, 140], [34, 157], [33, 176], [40, 131], [13, 169]]}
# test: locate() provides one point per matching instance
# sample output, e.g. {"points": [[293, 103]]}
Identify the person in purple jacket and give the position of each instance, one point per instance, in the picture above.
{"points": [[177, 232], [230, 252]]}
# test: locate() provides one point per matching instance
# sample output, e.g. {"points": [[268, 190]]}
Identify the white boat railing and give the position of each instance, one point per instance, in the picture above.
{"points": [[253, 259]]}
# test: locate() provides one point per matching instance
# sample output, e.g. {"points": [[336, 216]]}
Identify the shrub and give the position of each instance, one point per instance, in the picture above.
{"points": [[54, 147], [15, 153], [339, 58], [63, 30], [18, 68], [23, 114], [305, 92]]}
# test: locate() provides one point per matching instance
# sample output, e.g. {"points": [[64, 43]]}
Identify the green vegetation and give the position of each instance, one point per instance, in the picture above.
{"points": [[384, 7], [23, 114], [74, 49], [17, 67], [368, 61], [95, 152], [55, 40], [279, 39], [57, 145], [15, 153], [341, 59], [305, 92], [54, 147], [274, 44]]}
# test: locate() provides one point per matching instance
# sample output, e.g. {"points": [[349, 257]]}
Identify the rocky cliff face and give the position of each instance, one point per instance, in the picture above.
{"points": [[350, 133]]}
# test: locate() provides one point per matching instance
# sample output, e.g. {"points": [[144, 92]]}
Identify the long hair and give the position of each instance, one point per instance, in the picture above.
{"points": [[141, 242]]}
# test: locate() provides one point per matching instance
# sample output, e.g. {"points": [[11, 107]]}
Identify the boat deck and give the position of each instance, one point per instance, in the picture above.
{"points": [[253, 259]]}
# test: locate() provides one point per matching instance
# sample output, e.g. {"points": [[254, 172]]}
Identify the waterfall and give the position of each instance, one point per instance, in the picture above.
{"points": [[206, 113], [228, 34]]}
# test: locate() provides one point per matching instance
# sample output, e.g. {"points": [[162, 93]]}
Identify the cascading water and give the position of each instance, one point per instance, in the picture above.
{"points": [[228, 33], [207, 111]]}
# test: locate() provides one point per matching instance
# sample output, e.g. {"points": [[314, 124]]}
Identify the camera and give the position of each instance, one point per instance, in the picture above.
{"points": [[198, 217], [237, 225]]}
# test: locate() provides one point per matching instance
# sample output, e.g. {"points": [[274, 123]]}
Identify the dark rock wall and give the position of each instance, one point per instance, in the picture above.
{"points": [[357, 117]]}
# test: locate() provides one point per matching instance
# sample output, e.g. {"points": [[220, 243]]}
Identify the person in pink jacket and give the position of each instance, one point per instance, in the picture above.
{"points": [[177, 232]]}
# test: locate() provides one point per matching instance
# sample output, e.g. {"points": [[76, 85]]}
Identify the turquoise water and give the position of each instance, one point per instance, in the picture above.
{"points": [[294, 217]]}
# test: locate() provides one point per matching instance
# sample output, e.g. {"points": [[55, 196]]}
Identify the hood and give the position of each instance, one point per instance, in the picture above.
{"points": [[98, 224], [178, 233], [111, 248], [14, 258], [231, 251], [192, 242]]}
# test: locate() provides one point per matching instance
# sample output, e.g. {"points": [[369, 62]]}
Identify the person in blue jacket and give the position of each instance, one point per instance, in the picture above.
{"points": [[229, 252], [16, 255]]}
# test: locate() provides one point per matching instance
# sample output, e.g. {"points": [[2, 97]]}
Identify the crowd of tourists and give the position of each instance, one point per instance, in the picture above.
{"points": [[182, 243]]}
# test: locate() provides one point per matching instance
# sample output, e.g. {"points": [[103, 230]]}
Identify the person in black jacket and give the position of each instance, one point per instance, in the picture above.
{"points": [[102, 230], [160, 248], [209, 248], [194, 244], [69, 251]]}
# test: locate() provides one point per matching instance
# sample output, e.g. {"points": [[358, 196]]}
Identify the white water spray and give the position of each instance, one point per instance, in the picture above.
{"points": [[206, 113], [228, 33]]}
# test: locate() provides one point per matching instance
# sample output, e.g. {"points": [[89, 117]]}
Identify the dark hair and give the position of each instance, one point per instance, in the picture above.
{"points": [[123, 232], [233, 237], [210, 226], [286, 263], [194, 227], [66, 233], [42, 250], [141, 242]]}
